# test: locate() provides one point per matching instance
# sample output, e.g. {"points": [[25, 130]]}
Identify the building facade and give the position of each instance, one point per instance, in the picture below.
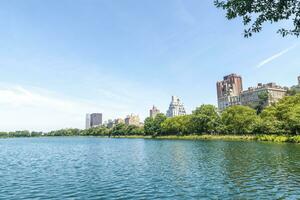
{"points": [[87, 121], [229, 91], [272, 92], [132, 120], [112, 123], [96, 119], [154, 111], [176, 108], [119, 121], [93, 120]]}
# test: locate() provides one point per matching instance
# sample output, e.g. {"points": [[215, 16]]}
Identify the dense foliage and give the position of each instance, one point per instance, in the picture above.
{"points": [[257, 12], [118, 130], [282, 118]]}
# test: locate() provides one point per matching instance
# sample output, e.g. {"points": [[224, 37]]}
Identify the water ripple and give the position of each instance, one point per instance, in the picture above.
{"points": [[97, 168]]}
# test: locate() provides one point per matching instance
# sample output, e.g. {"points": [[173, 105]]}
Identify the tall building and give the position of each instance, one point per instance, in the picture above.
{"points": [[110, 123], [92, 120], [176, 108], [88, 121], [154, 111], [251, 97], [229, 91], [299, 80], [132, 120], [96, 119]]}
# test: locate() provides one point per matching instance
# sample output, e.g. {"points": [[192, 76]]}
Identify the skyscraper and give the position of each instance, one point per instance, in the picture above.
{"points": [[96, 119], [92, 120], [154, 111], [88, 121], [176, 108], [229, 91]]}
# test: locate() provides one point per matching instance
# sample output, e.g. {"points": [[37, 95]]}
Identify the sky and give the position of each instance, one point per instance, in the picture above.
{"points": [[61, 59]]}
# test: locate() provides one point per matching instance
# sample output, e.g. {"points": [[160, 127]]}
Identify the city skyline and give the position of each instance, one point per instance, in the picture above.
{"points": [[123, 57]]}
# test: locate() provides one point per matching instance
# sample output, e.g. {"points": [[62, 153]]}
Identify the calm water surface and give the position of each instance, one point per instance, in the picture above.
{"points": [[99, 168]]}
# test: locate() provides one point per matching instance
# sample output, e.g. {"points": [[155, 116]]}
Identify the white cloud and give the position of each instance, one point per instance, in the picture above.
{"points": [[17, 96], [37, 109], [275, 56]]}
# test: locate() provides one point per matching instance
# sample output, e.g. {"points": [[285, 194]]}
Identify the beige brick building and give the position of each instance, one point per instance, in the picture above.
{"points": [[274, 93], [132, 120]]}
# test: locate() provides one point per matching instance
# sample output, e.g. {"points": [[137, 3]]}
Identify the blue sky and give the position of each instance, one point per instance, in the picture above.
{"points": [[60, 59]]}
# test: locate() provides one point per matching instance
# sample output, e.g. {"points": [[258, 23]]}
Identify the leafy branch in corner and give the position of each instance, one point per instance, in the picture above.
{"points": [[255, 13]]}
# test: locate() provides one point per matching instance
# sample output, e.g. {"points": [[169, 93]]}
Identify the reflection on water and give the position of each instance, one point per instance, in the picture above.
{"points": [[98, 168]]}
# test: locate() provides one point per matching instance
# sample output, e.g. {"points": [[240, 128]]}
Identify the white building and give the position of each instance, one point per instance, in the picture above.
{"points": [[176, 108], [88, 121]]}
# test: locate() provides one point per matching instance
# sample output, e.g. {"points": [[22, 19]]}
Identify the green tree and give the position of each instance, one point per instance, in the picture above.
{"points": [[149, 126], [263, 98], [134, 130], [293, 119], [4, 134], [205, 119], [268, 123], [179, 125], [287, 111], [96, 131], [257, 12], [119, 129], [153, 126], [239, 120]]}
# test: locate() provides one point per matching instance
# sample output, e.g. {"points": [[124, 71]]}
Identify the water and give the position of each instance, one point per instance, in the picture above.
{"points": [[99, 168]]}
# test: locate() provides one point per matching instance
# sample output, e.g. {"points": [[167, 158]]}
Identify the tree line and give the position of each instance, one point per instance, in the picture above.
{"points": [[282, 118]]}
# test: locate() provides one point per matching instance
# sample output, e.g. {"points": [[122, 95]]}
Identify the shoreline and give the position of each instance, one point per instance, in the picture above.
{"points": [[258, 137]]}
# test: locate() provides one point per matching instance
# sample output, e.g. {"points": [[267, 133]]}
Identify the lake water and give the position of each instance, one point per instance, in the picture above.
{"points": [[103, 168]]}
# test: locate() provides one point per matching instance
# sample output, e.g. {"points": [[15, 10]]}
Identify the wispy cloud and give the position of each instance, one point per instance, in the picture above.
{"points": [[18, 96], [39, 109], [275, 56], [31, 108]]}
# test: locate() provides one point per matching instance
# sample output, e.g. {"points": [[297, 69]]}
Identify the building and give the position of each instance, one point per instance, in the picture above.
{"points": [[229, 91], [253, 95], [96, 119], [154, 111], [132, 120], [119, 121], [92, 120], [112, 123], [88, 121], [176, 108], [298, 80]]}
